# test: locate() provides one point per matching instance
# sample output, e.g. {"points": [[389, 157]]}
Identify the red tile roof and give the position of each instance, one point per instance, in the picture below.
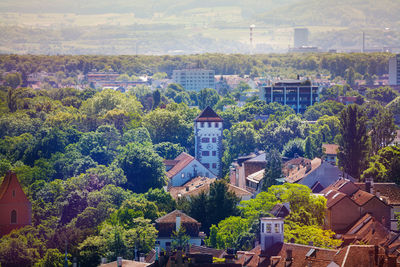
{"points": [[367, 230], [192, 187], [361, 197], [330, 149], [333, 197], [183, 160], [389, 190], [302, 172], [208, 115], [171, 218]]}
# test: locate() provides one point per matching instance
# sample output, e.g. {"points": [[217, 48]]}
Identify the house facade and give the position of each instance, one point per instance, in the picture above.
{"points": [[15, 208], [184, 168]]}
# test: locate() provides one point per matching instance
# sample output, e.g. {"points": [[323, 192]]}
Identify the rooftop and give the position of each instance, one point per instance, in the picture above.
{"points": [[208, 114], [171, 218], [330, 149], [182, 161]]}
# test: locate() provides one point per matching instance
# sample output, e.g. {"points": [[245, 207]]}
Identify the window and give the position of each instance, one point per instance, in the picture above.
{"points": [[216, 125], [214, 165], [268, 228], [167, 244], [205, 140], [214, 139], [214, 153], [13, 193], [13, 216], [202, 124], [205, 153], [277, 228], [209, 125], [262, 228], [207, 165]]}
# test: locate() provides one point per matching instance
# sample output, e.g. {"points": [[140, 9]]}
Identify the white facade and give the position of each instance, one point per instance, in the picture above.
{"points": [[271, 231], [194, 79], [190, 171], [208, 144]]}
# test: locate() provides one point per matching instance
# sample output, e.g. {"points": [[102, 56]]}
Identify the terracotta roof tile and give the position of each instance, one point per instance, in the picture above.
{"points": [[208, 114], [330, 149], [217, 253], [183, 160], [361, 197], [192, 187], [257, 176], [171, 218], [389, 190], [239, 192], [302, 172]]}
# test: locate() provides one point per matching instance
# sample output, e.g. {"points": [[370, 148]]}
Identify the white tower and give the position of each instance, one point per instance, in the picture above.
{"points": [[208, 140], [271, 232]]}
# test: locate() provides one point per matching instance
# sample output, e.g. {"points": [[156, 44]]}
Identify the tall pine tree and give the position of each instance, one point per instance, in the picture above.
{"points": [[273, 169], [353, 142]]}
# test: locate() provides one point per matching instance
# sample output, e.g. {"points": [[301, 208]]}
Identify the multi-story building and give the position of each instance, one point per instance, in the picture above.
{"points": [[298, 94], [194, 79], [394, 70], [208, 140], [300, 37]]}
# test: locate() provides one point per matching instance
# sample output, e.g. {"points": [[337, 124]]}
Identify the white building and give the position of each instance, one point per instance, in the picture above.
{"points": [[271, 232], [173, 221], [208, 129], [394, 70], [184, 168], [194, 79]]}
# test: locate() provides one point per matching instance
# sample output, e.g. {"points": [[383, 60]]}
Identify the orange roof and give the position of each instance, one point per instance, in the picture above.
{"points": [[330, 149], [171, 218], [239, 192], [192, 187], [302, 172], [333, 197], [183, 160], [208, 115], [389, 190], [361, 197]]}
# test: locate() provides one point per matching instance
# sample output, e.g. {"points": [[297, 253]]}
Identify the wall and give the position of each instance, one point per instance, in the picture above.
{"points": [[189, 174]]}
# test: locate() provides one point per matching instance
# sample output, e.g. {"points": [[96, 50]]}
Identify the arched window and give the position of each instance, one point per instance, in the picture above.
{"points": [[13, 216]]}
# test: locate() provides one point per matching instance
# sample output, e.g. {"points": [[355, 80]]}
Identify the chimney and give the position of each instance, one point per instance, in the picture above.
{"points": [[369, 185], [178, 223], [378, 194], [289, 256]]}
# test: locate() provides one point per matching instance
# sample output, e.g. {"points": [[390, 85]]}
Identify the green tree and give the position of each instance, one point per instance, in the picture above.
{"points": [[273, 169], [156, 98], [168, 150], [142, 166], [13, 80], [383, 130], [207, 97], [180, 239], [293, 147], [353, 141]]}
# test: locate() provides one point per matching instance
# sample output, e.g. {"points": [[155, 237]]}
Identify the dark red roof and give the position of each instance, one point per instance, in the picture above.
{"points": [[389, 190], [181, 162], [208, 114], [171, 218]]}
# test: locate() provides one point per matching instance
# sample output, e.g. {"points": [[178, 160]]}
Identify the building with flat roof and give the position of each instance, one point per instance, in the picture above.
{"points": [[194, 79], [298, 94], [394, 70], [300, 37]]}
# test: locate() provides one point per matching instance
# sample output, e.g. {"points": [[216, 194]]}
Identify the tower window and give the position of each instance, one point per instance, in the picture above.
{"points": [[205, 140], [214, 165], [268, 228], [214, 153], [209, 125], [276, 228], [205, 153], [214, 140], [14, 216], [202, 124], [216, 125]]}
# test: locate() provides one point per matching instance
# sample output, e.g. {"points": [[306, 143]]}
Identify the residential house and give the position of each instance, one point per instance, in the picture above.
{"points": [[202, 184], [15, 208], [347, 203], [316, 174], [173, 221], [387, 192], [330, 151], [184, 168], [245, 166]]}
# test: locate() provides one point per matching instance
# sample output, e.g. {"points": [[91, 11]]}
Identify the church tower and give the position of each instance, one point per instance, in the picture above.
{"points": [[208, 140]]}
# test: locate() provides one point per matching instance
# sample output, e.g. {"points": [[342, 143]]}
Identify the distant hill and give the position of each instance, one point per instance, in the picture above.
{"points": [[346, 13]]}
